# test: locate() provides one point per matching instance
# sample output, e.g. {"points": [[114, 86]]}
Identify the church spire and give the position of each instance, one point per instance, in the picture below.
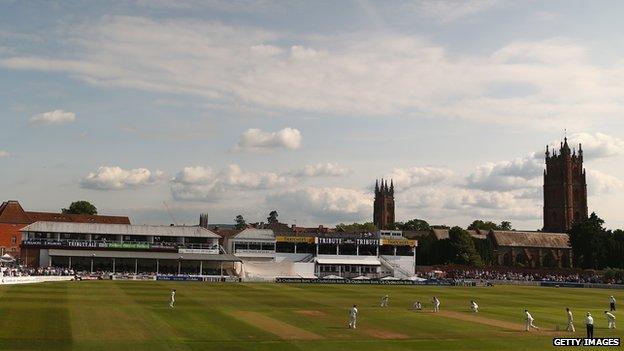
{"points": [[580, 153], [547, 152]]}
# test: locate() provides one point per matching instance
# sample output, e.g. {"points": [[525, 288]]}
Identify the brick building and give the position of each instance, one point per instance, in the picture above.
{"points": [[13, 218]]}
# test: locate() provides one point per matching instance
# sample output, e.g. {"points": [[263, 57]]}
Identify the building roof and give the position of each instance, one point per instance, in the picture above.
{"points": [[145, 255], [119, 229], [478, 234], [76, 218], [415, 234], [531, 239], [440, 234], [253, 233], [225, 232], [12, 212]]}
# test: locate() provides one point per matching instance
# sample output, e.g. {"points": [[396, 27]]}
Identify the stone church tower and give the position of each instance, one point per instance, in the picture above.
{"points": [[565, 189], [383, 207]]}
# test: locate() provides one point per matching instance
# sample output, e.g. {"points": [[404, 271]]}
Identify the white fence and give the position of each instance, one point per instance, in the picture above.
{"points": [[33, 279]]}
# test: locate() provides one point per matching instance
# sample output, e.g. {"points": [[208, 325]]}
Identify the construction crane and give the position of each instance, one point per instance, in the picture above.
{"points": [[170, 213]]}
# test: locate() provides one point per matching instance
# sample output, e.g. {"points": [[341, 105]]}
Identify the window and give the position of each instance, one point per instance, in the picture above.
{"points": [[13, 240], [255, 246], [268, 246]]}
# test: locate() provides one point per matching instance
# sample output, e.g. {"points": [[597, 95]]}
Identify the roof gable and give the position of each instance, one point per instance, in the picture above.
{"points": [[12, 212]]}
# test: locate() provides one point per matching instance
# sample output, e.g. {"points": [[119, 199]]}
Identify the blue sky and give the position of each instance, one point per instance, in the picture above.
{"points": [[244, 107]]}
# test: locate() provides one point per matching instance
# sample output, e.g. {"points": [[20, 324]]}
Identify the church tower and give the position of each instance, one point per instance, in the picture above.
{"points": [[565, 189], [383, 207]]}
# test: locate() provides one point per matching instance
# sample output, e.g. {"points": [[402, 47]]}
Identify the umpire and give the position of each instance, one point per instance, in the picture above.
{"points": [[589, 322]]}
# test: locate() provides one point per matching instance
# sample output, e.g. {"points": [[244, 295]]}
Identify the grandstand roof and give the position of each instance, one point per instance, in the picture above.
{"points": [[119, 229], [531, 239], [253, 233]]}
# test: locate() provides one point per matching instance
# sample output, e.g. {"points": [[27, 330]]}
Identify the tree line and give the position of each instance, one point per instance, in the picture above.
{"points": [[594, 246]]}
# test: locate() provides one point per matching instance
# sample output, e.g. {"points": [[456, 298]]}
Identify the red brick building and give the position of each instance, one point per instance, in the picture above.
{"points": [[565, 189], [13, 218]]}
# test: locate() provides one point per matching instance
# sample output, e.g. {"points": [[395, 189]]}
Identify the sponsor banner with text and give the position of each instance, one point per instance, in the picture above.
{"points": [[295, 239], [399, 242]]}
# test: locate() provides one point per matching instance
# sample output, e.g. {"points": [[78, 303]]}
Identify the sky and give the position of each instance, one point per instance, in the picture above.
{"points": [[243, 107]]}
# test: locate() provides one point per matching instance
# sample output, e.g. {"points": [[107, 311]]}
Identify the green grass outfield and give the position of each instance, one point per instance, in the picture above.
{"points": [[121, 315]]}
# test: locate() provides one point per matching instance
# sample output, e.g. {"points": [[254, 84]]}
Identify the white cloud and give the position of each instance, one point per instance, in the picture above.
{"points": [[4, 154], [406, 178], [520, 173], [321, 170], [117, 178], [451, 205], [52, 117], [451, 10], [256, 139], [596, 145], [203, 184], [246, 66], [323, 205], [601, 183]]}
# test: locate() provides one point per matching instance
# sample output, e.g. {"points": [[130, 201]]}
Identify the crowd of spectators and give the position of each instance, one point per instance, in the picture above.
{"points": [[520, 275], [21, 271]]}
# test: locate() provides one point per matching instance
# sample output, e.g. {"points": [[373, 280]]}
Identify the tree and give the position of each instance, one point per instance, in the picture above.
{"points": [[413, 224], [463, 250], [272, 219], [367, 227], [80, 207], [478, 224], [589, 240], [505, 225], [240, 222]]}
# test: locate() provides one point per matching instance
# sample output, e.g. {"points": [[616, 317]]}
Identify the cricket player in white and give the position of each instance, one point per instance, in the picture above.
{"points": [[570, 321], [172, 301], [384, 301], [473, 306], [436, 304], [529, 321], [612, 303], [417, 306], [610, 319], [353, 312]]}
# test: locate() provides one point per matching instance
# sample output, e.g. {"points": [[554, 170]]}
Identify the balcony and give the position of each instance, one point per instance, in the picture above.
{"points": [[118, 245]]}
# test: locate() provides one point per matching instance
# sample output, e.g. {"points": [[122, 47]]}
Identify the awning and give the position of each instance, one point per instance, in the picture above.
{"points": [[6, 258], [359, 260], [145, 255]]}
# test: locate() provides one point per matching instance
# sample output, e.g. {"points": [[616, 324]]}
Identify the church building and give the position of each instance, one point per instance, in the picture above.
{"points": [[565, 189], [383, 207]]}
